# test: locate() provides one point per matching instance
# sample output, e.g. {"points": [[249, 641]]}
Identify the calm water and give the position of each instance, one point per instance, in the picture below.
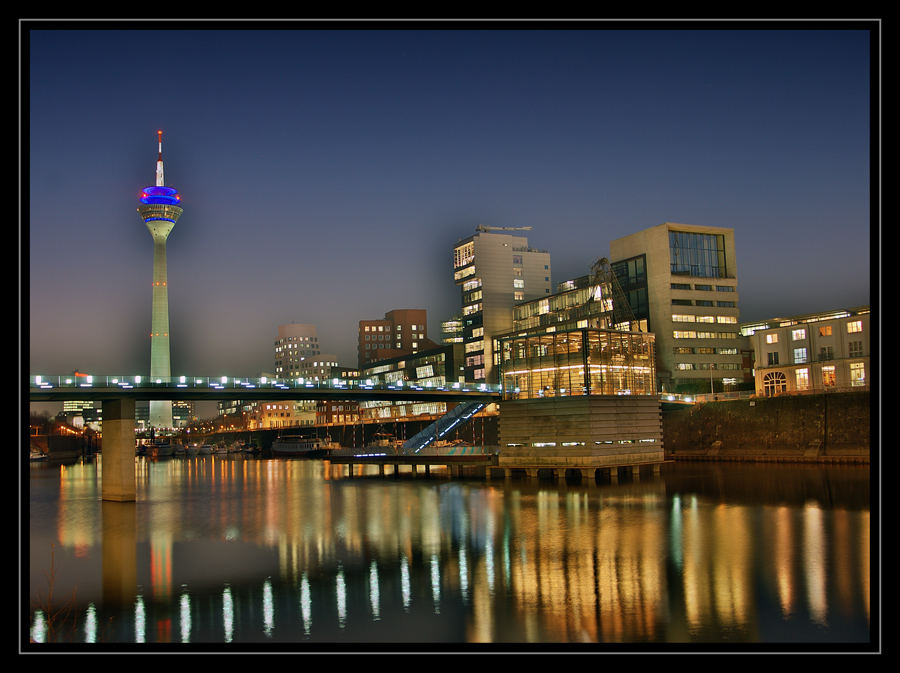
{"points": [[292, 552]]}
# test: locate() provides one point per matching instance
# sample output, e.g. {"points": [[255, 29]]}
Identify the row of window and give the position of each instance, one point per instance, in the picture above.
{"points": [[387, 328], [854, 350], [691, 366], [691, 334], [688, 317], [703, 288], [703, 350], [853, 327], [776, 382], [703, 302]]}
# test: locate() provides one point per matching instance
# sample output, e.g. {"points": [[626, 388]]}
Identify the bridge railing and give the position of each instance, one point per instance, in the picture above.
{"points": [[76, 381]]}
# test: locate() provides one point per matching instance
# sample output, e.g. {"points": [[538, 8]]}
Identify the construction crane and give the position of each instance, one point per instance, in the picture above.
{"points": [[603, 275], [484, 227]]}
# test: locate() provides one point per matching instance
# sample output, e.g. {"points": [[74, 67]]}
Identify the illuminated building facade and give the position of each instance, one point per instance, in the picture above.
{"points": [[583, 397], [494, 271], [577, 362], [401, 332], [682, 279], [812, 353], [294, 345], [160, 209]]}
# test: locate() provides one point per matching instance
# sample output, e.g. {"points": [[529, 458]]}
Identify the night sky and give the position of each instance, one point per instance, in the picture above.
{"points": [[326, 174]]}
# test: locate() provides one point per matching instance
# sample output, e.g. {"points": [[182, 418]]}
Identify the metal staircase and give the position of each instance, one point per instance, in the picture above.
{"points": [[456, 417]]}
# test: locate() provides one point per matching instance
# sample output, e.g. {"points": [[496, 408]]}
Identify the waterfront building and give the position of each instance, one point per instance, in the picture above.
{"points": [[435, 367], [682, 279], [494, 271], [183, 413], [294, 344], [337, 412], [452, 330], [160, 209], [281, 414], [816, 352], [321, 367], [400, 332], [581, 398]]}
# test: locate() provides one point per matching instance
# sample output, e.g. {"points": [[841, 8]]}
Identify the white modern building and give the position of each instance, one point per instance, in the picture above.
{"points": [[494, 271]]}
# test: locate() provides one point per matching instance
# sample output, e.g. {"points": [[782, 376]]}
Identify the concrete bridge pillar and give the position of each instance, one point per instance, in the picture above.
{"points": [[614, 475], [636, 472], [118, 480]]}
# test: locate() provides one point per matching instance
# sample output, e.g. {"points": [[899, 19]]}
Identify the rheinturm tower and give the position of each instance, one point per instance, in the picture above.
{"points": [[160, 210]]}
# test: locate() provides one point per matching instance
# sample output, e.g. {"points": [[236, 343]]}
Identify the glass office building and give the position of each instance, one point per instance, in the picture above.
{"points": [[577, 362]]}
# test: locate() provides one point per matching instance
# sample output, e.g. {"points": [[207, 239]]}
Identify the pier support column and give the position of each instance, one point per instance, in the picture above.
{"points": [[614, 475], [118, 480], [427, 471], [381, 469], [532, 473], [636, 472], [656, 469], [587, 476]]}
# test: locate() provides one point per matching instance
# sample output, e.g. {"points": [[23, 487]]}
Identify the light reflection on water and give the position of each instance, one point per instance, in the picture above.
{"points": [[244, 550]]}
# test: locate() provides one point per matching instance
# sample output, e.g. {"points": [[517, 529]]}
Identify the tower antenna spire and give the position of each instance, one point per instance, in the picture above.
{"points": [[159, 163]]}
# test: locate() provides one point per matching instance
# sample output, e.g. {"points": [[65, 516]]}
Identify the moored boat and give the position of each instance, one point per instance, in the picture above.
{"points": [[311, 447]]}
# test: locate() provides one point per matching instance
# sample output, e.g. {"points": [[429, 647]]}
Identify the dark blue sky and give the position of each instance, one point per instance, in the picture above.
{"points": [[326, 174]]}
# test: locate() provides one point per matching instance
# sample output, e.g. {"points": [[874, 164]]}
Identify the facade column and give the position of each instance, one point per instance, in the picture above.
{"points": [[118, 477]]}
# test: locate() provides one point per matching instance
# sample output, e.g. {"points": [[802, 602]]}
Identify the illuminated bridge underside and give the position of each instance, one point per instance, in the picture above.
{"points": [[53, 388]]}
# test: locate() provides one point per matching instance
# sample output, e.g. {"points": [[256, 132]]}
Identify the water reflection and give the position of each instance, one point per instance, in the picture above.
{"points": [[235, 550]]}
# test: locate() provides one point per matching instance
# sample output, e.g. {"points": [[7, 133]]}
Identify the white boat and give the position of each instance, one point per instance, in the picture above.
{"points": [[303, 446], [37, 455], [205, 449]]}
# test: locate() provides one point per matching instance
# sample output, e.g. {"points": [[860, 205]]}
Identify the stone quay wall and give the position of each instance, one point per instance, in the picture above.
{"points": [[827, 427]]}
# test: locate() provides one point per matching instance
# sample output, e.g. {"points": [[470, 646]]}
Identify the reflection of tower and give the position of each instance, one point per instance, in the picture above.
{"points": [[160, 210]]}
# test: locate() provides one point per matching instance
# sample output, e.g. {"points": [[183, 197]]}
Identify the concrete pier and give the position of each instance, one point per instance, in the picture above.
{"points": [[118, 479]]}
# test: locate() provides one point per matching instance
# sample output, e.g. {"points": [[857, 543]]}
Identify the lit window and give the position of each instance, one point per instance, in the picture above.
{"points": [[772, 338], [774, 383], [799, 355], [828, 375], [857, 374], [854, 326], [825, 330], [728, 319], [798, 334]]}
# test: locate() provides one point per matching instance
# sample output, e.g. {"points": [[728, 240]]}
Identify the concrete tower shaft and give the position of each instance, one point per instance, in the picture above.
{"points": [[160, 211]]}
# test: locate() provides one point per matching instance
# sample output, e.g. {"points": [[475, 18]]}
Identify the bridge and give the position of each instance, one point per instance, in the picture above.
{"points": [[118, 395], [196, 388]]}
